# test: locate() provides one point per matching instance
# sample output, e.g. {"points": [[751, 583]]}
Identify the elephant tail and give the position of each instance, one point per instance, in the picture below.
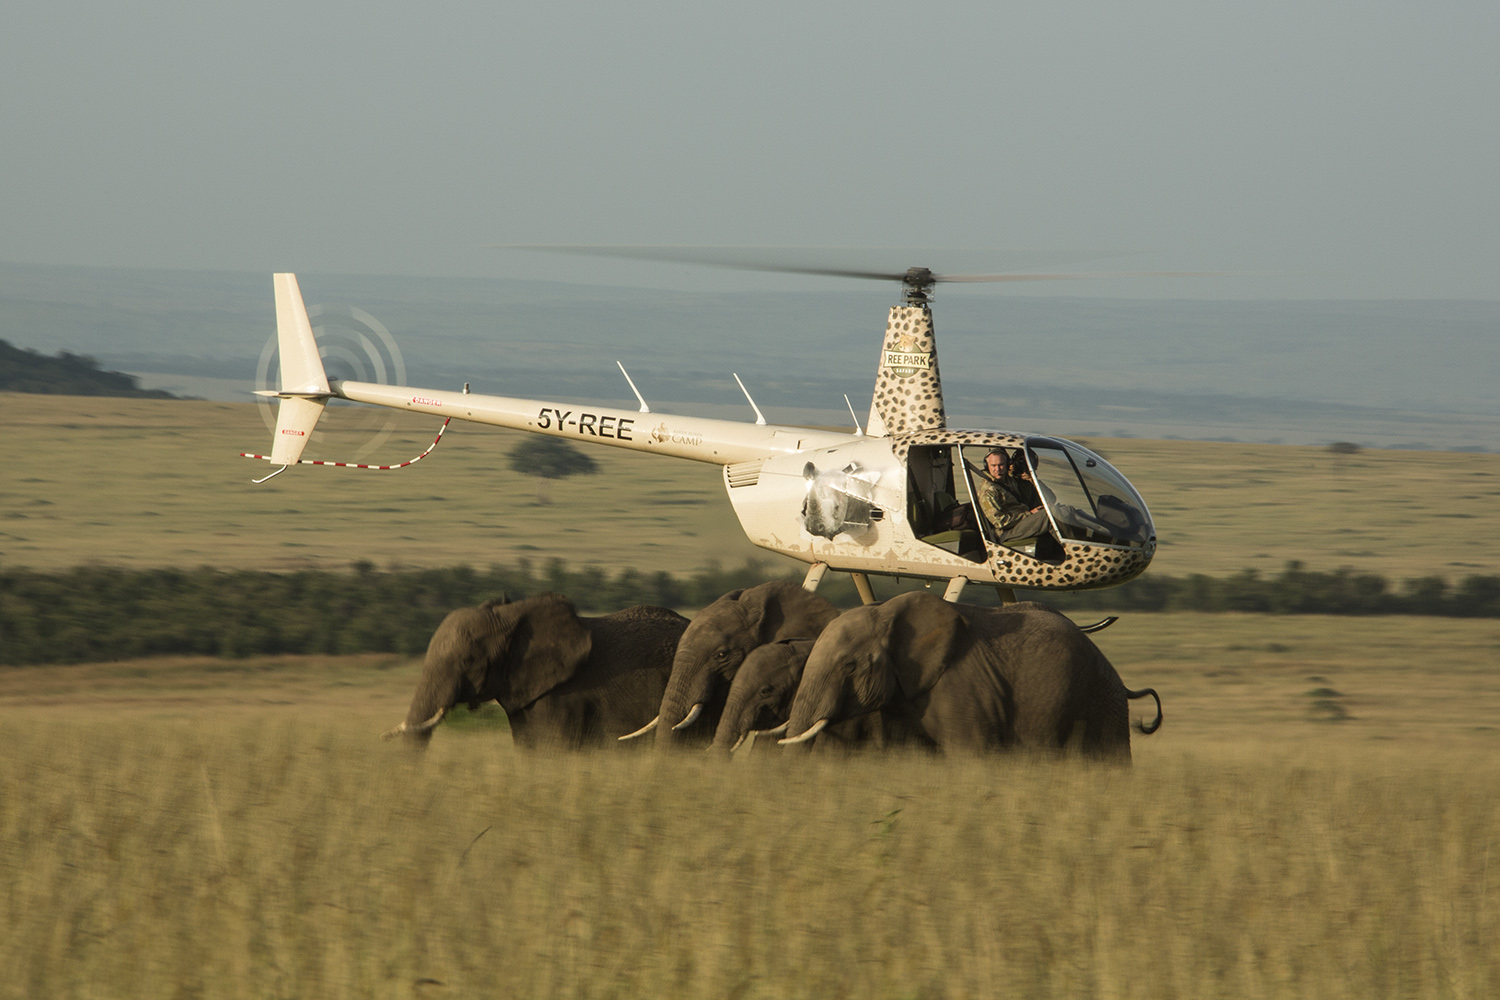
{"points": [[1146, 729]]}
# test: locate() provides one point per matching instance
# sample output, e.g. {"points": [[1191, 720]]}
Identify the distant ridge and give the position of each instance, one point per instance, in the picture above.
{"points": [[66, 375]]}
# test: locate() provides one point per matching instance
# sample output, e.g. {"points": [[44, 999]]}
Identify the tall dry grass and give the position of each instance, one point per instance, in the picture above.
{"points": [[282, 859]]}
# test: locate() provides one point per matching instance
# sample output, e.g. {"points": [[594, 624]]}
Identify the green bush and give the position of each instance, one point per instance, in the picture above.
{"points": [[105, 613]]}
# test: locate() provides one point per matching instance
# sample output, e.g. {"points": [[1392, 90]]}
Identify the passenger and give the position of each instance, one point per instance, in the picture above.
{"points": [[1020, 473]]}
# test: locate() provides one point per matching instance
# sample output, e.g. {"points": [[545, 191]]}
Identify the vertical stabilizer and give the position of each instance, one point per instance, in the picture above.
{"points": [[908, 391], [301, 368], [304, 384]]}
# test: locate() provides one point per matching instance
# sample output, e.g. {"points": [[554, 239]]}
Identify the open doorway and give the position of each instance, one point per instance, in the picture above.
{"points": [[940, 501]]}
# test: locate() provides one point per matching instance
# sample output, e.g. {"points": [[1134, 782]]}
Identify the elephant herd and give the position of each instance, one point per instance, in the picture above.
{"points": [[778, 660]]}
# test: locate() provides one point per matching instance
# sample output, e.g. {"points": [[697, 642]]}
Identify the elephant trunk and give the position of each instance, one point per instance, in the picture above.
{"points": [[743, 711], [439, 689], [818, 696], [687, 696], [735, 723]]}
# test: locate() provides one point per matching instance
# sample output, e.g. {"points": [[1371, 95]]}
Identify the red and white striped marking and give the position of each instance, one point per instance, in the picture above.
{"points": [[362, 465]]}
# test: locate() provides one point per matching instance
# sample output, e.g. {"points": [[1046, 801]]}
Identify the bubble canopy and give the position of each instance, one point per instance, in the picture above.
{"points": [[1087, 498]]}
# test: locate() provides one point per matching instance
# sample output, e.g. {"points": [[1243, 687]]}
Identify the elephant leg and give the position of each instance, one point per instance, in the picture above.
{"points": [[556, 721], [959, 722]]}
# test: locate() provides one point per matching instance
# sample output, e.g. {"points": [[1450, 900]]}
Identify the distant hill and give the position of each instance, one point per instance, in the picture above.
{"points": [[66, 375]]}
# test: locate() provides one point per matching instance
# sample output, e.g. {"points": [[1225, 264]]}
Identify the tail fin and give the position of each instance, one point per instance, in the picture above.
{"points": [[304, 385]]}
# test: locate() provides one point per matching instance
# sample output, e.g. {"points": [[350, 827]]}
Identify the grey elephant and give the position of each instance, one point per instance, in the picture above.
{"points": [[968, 678], [563, 680], [717, 642], [760, 701]]}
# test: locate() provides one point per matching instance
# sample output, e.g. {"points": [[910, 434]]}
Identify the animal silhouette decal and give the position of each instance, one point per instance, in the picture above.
{"points": [[839, 501]]}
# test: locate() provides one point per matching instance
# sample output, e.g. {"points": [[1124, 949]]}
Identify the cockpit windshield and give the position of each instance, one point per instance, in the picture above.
{"points": [[1088, 499]]}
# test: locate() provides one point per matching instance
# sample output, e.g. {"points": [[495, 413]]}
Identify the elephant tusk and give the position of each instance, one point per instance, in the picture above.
{"points": [[813, 730], [641, 731], [753, 734], [422, 727], [692, 717], [432, 722]]}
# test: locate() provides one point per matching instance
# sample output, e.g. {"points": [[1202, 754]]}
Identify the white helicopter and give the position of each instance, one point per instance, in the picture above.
{"points": [[897, 497]]}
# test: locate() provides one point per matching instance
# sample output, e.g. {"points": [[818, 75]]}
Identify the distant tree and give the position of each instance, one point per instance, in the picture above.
{"points": [[549, 458], [1344, 448], [66, 374]]}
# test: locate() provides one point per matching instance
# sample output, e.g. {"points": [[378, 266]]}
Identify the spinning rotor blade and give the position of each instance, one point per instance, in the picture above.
{"points": [[794, 260], [1080, 274]]}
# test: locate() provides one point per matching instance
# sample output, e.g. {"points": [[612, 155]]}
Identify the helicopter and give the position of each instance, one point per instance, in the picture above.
{"points": [[896, 497]]}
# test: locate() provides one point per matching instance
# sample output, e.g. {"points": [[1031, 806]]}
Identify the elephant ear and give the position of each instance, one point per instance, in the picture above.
{"points": [[548, 643], [925, 634], [783, 610]]}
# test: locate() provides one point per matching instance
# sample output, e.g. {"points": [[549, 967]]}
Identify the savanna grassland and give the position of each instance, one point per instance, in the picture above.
{"points": [[242, 833], [1318, 817]]}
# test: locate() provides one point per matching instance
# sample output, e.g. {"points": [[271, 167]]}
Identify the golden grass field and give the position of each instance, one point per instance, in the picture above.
{"points": [[1311, 821], [1318, 817]]}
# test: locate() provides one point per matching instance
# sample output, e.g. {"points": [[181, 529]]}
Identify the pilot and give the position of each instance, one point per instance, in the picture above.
{"points": [[994, 489], [1008, 498]]}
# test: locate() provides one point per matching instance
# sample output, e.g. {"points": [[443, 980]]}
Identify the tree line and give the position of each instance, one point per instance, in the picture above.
{"points": [[67, 374], [102, 613]]}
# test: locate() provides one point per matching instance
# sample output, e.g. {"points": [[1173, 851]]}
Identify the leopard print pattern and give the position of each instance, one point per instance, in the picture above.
{"points": [[908, 397], [1084, 566]]}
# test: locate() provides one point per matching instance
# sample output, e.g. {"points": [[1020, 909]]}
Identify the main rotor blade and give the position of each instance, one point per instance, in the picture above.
{"points": [[1079, 274], [794, 260], [874, 263]]}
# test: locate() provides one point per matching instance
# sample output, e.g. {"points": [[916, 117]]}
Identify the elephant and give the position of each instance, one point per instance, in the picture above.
{"points": [[563, 680], [760, 700], [969, 679], [717, 642]]}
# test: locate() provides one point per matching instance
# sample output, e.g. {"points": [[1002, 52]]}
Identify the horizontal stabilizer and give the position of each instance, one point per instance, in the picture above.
{"points": [[278, 394]]}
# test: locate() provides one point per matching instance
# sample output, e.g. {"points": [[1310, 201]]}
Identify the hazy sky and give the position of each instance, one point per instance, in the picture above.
{"points": [[1341, 149]]}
